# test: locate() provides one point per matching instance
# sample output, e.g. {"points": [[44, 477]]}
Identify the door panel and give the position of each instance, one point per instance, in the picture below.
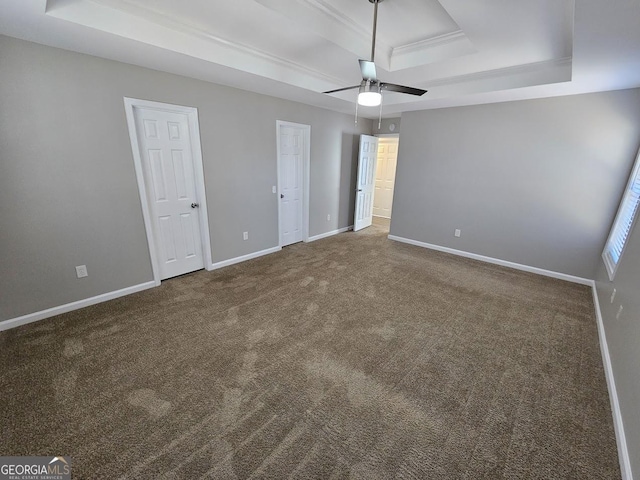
{"points": [[168, 173], [168, 239], [367, 160], [180, 174]]}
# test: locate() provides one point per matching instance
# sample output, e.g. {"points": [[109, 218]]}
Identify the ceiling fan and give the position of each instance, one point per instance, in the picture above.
{"points": [[370, 89]]}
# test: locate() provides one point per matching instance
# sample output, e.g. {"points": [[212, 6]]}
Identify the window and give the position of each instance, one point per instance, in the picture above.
{"points": [[624, 222]]}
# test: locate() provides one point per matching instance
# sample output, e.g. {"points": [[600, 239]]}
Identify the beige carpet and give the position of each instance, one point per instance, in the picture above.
{"points": [[350, 357]]}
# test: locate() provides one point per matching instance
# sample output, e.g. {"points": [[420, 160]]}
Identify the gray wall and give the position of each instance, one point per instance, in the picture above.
{"points": [[68, 193], [384, 126], [534, 182], [623, 337]]}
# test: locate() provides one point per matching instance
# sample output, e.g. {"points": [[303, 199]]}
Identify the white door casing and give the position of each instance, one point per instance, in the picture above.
{"points": [[166, 147], [385, 176], [293, 169], [367, 157]]}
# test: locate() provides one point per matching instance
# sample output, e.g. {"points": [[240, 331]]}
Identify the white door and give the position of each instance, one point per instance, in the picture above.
{"points": [[366, 181], [385, 176], [168, 171], [290, 171]]}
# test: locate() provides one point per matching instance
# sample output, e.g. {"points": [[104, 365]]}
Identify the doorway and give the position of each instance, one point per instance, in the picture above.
{"points": [[165, 141], [386, 166], [293, 164], [377, 163]]}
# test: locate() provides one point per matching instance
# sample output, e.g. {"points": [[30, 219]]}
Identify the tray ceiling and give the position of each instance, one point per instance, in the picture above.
{"points": [[296, 48]]}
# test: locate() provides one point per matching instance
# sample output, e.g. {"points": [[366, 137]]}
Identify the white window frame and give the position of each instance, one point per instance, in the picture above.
{"points": [[624, 222]]}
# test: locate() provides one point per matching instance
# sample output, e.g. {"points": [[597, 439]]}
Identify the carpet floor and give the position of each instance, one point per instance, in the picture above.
{"points": [[350, 357]]}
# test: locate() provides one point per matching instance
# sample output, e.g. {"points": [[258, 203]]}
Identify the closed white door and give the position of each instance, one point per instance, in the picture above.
{"points": [[385, 176], [168, 171], [290, 167], [366, 181]]}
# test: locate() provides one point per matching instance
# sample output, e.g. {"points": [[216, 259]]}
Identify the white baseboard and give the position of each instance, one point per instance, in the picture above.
{"points": [[244, 258], [329, 234], [50, 312], [623, 452], [496, 261]]}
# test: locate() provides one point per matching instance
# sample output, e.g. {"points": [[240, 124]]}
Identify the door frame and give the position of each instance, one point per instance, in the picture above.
{"points": [[130, 104], [306, 168]]}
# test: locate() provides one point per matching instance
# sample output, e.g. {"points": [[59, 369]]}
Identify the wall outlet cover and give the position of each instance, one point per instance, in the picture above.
{"points": [[81, 271]]}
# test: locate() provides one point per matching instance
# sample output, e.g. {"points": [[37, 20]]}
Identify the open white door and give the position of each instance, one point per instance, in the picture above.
{"points": [[366, 182], [166, 149], [170, 187]]}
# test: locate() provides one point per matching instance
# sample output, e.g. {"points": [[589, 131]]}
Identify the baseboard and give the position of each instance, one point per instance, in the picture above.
{"points": [[244, 258], [329, 234], [623, 452], [496, 261], [51, 312]]}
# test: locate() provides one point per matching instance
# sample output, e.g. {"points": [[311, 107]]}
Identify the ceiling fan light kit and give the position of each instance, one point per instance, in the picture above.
{"points": [[369, 95]]}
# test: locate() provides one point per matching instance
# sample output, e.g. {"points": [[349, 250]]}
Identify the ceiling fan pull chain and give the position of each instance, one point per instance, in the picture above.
{"points": [[356, 113], [380, 117]]}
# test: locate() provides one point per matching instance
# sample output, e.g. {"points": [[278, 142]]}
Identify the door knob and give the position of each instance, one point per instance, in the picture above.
{"points": [[282, 195], [359, 189], [194, 205]]}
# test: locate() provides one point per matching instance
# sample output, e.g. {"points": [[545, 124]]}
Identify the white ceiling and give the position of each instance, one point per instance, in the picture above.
{"points": [[464, 52]]}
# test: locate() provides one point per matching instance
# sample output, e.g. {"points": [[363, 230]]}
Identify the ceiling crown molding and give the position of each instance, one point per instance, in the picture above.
{"points": [[327, 22], [536, 68], [117, 16], [333, 25], [431, 50]]}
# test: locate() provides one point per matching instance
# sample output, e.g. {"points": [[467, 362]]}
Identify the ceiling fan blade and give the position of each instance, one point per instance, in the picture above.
{"points": [[342, 89], [392, 87], [368, 70]]}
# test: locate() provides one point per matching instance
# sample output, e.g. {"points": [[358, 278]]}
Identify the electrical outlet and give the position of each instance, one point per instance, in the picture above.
{"points": [[613, 295], [328, 217], [81, 271], [245, 235], [619, 312], [457, 233]]}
